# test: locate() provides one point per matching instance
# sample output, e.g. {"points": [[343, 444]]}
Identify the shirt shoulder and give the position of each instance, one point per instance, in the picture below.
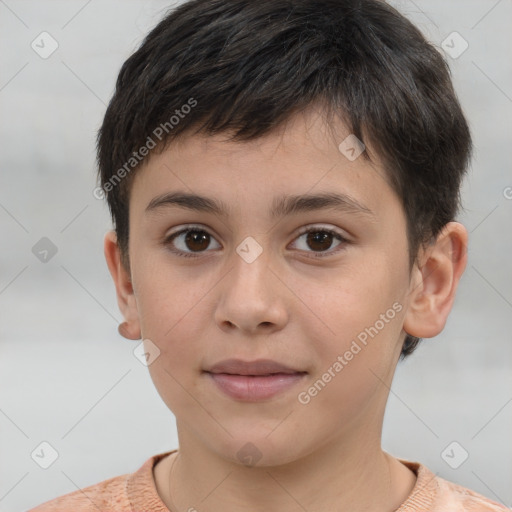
{"points": [[432, 493], [107, 496], [454, 497], [130, 492]]}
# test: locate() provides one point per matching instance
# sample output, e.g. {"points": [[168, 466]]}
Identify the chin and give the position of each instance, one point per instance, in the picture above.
{"points": [[259, 450]]}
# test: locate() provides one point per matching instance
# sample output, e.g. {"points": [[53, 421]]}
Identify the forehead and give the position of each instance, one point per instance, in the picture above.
{"points": [[304, 156]]}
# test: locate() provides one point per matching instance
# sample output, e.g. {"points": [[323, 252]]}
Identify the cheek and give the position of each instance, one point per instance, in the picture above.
{"points": [[350, 298], [168, 297], [360, 315], [175, 373], [170, 312], [174, 325], [355, 369]]}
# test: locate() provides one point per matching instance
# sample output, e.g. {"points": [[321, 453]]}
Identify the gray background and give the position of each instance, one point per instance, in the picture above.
{"points": [[68, 378]]}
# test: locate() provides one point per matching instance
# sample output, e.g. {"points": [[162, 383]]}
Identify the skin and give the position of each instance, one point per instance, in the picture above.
{"points": [[287, 305]]}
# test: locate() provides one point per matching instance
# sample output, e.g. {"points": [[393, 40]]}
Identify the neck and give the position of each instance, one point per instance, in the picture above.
{"points": [[353, 475]]}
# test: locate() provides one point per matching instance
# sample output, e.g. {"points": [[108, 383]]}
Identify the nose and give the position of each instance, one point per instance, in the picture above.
{"points": [[253, 299]]}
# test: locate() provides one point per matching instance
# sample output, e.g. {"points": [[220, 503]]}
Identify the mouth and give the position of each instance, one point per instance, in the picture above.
{"points": [[253, 381], [260, 367]]}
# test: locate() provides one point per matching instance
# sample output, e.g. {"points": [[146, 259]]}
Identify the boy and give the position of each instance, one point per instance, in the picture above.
{"points": [[314, 151]]}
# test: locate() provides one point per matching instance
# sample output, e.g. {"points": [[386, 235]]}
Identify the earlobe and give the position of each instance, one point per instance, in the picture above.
{"points": [[435, 280], [129, 329], [125, 331]]}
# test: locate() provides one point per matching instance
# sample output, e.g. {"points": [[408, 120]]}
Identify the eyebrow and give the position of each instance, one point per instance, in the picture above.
{"points": [[281, 206]]}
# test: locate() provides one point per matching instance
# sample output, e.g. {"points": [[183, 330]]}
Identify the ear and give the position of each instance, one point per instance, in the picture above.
{"points": [[130, 329], [434, 281]]}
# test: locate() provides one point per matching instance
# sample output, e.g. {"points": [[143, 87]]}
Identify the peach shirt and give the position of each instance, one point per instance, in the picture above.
{"points": [[136, 492]]}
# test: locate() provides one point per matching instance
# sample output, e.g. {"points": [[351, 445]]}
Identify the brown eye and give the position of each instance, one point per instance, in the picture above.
{"points": [[189, 241], [319, 241], [197, 240]]}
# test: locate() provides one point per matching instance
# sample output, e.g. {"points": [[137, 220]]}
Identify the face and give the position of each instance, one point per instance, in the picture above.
{"points": [[321, 288]]}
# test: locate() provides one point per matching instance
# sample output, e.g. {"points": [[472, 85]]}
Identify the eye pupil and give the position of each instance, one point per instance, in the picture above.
{"points": [[319, 237], [197, 237]]}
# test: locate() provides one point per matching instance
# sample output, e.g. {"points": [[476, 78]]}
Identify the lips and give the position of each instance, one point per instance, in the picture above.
{"points": [[253, 381], [258, 367]]}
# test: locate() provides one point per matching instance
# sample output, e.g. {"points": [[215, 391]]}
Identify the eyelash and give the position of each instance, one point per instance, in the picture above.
{"points": [[343, 241]]}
